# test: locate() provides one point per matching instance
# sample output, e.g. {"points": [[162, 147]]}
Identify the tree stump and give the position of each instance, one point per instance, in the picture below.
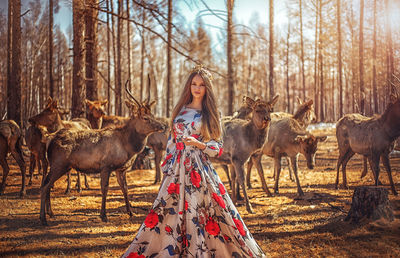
{"points": [[370, 202]]}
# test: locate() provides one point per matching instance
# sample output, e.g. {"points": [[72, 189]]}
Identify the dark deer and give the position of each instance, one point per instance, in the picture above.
{"points": [[36, 141], [304, 115], [241, 139], [50, 118], [11, 142], [115, 147], [286, 137], [372, 137]]}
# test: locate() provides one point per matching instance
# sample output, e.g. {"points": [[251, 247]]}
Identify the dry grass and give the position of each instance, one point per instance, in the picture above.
{"points": [[283, 225]]}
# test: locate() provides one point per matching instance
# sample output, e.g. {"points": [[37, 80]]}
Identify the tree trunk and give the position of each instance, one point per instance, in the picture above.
{"points": [[129, 45], [374, 88], [169, 66], [390, 66], [321, 66], [142, 55], [303, 78], [271, 48], [91, 49], [370, 202], [231, 89], [51, 83], [339, 29], [14, 86], [118, 83], [108, 60], [287, 69], [316, 88], [78, 82], [361, 58]]}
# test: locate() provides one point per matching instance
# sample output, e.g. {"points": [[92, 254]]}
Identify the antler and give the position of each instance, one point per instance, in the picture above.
{"points": [[130, 94]]}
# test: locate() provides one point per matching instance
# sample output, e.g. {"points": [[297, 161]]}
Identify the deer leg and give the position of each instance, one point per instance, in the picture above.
{"points": [[78, 182], [32, 164], [86, 181], [257, 161], [6, 169], [295, 170], [68, 190], [289, 164], [346, 159], [157, 160], [121, 178], [373, 172], [233, 184], [45, 165], [339, 163], [375, 166], [277, 171], [241, 181], [104, 180], [249, 166], [386, 163], [55, 173], [226, 169], [18, 156], [365, 170]]}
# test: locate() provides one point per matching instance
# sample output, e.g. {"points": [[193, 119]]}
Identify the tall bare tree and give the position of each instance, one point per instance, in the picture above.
{"points": [[14, 62], [118, 82], [321, 66], [374, 88], [51, 82], [231, 86], [389, 52], [339, 56], [361, 58], [271, 48], [303, 77], [169, 66], [91, 12], [78, 81]]}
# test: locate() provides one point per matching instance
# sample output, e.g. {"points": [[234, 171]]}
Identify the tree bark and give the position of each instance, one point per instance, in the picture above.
{"points": [[78, 82], [316, 83], [169, 66], [370, 202], [51, 82], [374, 87], [108, 60], [287, 69], [118, 84], [361, 59], [271, 49], [142, 56], [389, 53], [339, 30], [321, 66], [91, 49], [303, 78], [231, 86]]}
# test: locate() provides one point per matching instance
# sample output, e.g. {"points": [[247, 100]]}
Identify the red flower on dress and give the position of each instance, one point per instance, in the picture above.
{"points": [[239, 226], [186, 205], [227, 238], [151, 220], [166, 159], [220, 151], [212, 227], [221, 189], [168, 229], [135, 255], [173, 188], [219, 200], [195, 178], [180, 146], [196, 136]]}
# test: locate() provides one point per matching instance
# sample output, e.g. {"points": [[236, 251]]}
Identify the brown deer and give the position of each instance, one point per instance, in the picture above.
{"points": [[157, 141], [371, 137], [36, 141], [11, 142], [50, 118], [287, 137], [99, 151], [304, 115], [241, 139]]}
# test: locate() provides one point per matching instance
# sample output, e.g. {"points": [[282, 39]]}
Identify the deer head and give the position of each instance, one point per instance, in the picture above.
{"points": [[308, 147]]}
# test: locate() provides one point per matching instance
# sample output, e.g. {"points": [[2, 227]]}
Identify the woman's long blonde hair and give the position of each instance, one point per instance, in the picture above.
{"points": [[210, 118]]}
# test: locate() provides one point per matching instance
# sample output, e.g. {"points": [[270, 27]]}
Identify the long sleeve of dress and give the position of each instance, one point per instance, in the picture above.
{"points": [[213, 148]]}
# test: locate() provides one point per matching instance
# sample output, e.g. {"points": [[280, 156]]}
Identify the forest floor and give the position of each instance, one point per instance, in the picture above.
{"points": [[283, 225]]}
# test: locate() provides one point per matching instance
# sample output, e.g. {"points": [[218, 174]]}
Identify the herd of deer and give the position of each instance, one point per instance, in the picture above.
{"points": [[102, 144]]}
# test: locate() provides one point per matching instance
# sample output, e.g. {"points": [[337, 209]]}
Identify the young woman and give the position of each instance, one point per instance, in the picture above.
{"points": [[193, 215]]}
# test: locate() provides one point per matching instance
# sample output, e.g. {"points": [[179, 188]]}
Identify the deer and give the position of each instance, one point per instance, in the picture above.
{"points": [[304, 115], [287, 137], [36, 141], [157, 141], [50, 119], [372, 137], [115, 147], [241, 139], [11, 142]]}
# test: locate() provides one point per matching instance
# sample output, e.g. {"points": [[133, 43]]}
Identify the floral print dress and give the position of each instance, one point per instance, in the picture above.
{"points": [[193, 215]]}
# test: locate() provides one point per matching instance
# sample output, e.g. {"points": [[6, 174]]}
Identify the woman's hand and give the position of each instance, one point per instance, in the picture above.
{"points": [[190, 140]]}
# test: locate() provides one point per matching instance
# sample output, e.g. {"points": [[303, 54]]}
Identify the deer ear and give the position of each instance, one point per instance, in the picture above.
{"points": [[248, 101], [88, 102], [274, 100], [152, 103], [49, 101], [54, 104], [300, 138], [309, 102], [104, 102], [322, 138], [299, 100]]}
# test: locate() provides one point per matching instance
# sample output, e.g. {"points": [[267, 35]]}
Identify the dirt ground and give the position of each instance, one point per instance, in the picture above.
{"points": [[284, 225]]}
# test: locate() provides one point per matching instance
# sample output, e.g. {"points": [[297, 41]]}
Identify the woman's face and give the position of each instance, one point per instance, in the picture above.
{"points": [[198, 87]]}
